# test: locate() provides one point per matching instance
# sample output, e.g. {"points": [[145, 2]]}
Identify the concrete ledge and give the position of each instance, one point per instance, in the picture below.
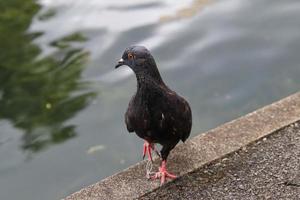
{"points": [[203, 149]]}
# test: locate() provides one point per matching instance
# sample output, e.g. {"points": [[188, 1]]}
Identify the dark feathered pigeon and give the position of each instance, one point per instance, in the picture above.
{"points": [[155, 113]]}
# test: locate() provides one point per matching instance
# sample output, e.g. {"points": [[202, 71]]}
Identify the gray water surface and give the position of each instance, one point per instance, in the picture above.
{"points": [[62, 103]]}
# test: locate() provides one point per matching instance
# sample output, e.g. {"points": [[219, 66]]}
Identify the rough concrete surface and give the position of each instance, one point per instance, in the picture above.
{"points": [[267, 169], [198, 151]]}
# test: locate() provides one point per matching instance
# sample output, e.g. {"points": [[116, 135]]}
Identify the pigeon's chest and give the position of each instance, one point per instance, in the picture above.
{"points": [[138, 114]]}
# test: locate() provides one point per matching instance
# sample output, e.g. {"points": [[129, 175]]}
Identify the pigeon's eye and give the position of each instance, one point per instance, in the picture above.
{"points": [[130, 56]]}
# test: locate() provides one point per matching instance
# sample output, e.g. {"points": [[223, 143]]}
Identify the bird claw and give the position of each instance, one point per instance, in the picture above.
{"points": [[147, 149], [163, 174]]}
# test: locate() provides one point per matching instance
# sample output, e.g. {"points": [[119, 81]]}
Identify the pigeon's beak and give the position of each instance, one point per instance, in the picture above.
{"points": [[120, 63]]}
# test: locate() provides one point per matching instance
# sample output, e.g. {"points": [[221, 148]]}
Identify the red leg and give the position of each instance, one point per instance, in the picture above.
{"points": [[163, 173], [147, 150]]}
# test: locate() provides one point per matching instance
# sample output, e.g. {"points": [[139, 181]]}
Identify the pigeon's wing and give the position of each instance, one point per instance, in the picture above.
{"points": [[129, 116], [185, 123], [177, 116]]}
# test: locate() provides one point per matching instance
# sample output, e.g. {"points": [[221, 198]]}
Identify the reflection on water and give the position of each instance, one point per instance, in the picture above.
{"points": [[186, 12], [37, 94], [58, 84]]}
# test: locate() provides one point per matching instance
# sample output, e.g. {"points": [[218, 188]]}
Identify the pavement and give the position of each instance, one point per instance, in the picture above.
{"points": [[266, 169], [213, 166]]}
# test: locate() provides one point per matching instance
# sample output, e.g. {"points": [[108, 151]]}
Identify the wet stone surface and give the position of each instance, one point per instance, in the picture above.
{"points": [[266, 169]]}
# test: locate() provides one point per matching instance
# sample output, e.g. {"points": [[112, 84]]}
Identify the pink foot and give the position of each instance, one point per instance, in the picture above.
{"points": [[147, 149], [163, 174]]}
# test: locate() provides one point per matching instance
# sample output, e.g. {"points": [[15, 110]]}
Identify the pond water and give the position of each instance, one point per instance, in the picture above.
{"points": [[62, 103]]}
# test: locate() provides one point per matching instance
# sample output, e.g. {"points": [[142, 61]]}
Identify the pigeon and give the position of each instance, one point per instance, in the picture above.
{"points": [[155, 113]]}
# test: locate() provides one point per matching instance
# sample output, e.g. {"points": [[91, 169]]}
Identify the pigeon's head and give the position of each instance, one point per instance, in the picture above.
{"points": [[136, 57]]}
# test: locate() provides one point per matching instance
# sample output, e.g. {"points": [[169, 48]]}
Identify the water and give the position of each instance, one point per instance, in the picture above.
{"points": [[62, 103]]}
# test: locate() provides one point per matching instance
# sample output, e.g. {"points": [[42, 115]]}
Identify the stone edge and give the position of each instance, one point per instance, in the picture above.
{"points": [[198, 151]]}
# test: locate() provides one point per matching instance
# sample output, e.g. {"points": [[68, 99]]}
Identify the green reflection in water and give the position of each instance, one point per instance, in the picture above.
{"points": [[38, 95]]}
